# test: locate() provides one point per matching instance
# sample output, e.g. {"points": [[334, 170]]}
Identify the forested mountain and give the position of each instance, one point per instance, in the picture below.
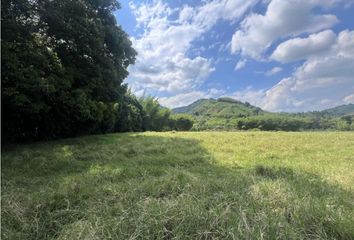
{"points": [[228, 107], [222, 107], [227, 113], [342, 110]]}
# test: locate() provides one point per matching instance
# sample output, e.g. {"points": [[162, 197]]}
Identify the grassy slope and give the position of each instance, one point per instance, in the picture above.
{"points": [[218, 108], [218, 114], [181, 186], [340, 110]]}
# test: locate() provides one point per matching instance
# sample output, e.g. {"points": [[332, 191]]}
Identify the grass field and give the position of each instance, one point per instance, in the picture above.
{"points": [[183, 185]]}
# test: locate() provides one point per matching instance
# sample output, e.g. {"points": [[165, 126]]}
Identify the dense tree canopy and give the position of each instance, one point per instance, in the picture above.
{"points": [[63, 64], [181, 122], [156, 117]]}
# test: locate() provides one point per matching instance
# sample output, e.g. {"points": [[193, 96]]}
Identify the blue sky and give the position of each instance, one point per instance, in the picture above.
{"points": [[281, 55]]}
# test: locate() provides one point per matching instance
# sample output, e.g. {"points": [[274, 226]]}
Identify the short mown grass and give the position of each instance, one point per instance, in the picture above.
{"points": [[181, 185]]}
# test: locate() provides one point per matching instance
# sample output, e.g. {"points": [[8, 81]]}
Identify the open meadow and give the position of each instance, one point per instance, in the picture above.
{"points": [[181, 185]]}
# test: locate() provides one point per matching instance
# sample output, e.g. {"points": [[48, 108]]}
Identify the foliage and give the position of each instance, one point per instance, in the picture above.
{"points": [[345, 123], [222, 107], [156, 117], [230, 114], [63, 64], [181, 122], [274, 122], [130, 115], [146, 114], [270, 122], [205, 185], [339, 111]]}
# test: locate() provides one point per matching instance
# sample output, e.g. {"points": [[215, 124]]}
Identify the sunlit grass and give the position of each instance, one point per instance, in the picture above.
{"points": [[181, 185]]}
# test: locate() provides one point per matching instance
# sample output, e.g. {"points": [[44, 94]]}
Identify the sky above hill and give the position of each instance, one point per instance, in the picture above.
{"points": [[280, 55]]}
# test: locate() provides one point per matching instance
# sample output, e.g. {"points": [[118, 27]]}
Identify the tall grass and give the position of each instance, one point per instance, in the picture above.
{"points": [[184, 185]]}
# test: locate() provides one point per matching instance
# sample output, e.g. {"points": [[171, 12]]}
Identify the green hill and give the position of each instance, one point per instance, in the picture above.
{"points": [[220, 108], [230, 114], [342, 110]]}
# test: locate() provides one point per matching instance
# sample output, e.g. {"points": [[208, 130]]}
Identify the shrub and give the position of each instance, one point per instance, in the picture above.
{"points": [[181, 122]]}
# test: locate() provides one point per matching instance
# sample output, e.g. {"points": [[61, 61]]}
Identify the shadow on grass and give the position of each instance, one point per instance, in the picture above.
{"points": [[125, 186]]}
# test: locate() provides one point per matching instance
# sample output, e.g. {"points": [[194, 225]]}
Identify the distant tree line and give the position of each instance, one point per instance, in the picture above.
{"points": [[277, 122], [62, 71], [146, 114], [292, 123]]}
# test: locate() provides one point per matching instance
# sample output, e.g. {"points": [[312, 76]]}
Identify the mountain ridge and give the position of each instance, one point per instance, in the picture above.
{"points": [[221, 107], [204, 106]]}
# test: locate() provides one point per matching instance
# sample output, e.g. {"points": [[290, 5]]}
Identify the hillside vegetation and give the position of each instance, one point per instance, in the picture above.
{"points": [[343, 110], [222, 107], [229, 114], [184, 185]]}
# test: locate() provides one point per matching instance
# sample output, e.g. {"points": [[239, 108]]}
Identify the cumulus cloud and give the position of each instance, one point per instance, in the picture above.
{"points": [[253, 96], [273, 71], [345, 44], [184, 99], [240, 64], [186, 14], [282, 19], [163, 63], [349, 98], [175, 74], [322, 81], [303, 48], [230, 10]]}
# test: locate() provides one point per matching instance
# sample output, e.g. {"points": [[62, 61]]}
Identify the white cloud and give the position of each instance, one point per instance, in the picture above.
{"points": [[184, 99], [230, 10], [345, 44], [145, 12], [282, 19], [216, 92], [186, 14], [273, 71], [176, 74], [163, 63], [303, 48], [322, 81], [253, 96], [240, 64], [349, 98]]}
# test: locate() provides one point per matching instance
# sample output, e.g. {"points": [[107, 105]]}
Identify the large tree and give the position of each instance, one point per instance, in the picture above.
{"points": [[63, 66]]}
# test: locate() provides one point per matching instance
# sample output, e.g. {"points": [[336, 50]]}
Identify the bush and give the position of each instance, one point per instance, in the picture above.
{"points": [[181, 122], [156, 117]]}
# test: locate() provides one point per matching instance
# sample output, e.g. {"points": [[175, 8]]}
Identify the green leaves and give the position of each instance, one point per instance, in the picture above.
{"points": [[156, 117], [181, 122], [63, 64]]}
